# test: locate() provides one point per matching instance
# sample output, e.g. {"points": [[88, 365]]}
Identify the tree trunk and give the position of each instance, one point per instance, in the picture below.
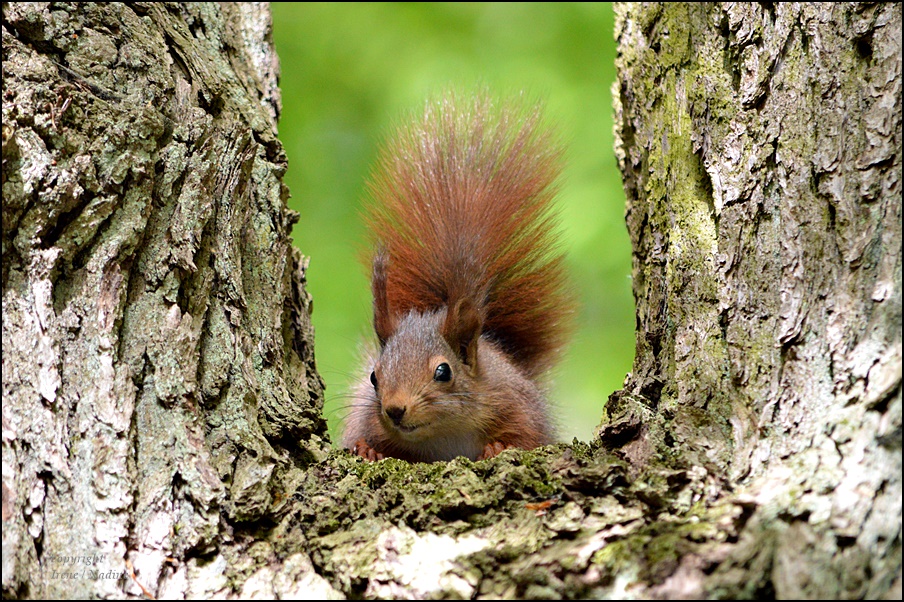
{"points": [[158, 380], [760, 145], [162, 424]]}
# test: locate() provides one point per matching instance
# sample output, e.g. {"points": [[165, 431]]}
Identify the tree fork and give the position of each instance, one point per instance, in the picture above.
{"points": [[162, 418]]}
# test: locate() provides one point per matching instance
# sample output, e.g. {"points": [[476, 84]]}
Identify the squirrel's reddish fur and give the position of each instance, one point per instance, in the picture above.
{"points": [[465, 264]]}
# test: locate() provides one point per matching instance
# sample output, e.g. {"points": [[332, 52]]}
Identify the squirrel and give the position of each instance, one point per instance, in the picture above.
{"points": [[469, 291]]}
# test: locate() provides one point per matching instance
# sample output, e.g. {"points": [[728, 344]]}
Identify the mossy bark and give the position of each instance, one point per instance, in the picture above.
{"points": [[760, 145], [162, 416], [158, 374]]}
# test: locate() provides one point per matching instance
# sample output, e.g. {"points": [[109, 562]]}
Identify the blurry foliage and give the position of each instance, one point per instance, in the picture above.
{"points": [[350, 71]]}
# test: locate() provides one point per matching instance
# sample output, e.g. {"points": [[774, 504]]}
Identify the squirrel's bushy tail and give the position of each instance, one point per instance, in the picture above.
{"points": [[461, 209]]}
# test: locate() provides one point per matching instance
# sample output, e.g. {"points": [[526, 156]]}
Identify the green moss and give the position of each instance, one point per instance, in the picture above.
{"points": [[535, 508], [614, 556]]}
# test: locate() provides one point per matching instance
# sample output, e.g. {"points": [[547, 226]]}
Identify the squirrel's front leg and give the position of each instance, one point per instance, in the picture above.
{"points": [[365, 451], [491, 450]]}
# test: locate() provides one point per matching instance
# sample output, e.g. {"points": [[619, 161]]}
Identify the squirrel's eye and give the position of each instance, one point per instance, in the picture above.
{"points": [[373, 379], [443, 373]]}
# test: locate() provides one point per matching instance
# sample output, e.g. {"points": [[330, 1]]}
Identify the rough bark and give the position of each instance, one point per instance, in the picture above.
{"points": [[161, 414], [761, 149], [158, 381]]}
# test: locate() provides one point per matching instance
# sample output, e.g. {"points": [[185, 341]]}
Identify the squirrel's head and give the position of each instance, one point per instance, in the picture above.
{"points": [[424, 376]]}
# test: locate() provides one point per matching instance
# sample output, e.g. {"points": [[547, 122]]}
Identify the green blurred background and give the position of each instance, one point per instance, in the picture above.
{"points": [[350, 71]]}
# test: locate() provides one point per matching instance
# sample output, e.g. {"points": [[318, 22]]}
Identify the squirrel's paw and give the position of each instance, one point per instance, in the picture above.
{"points": [[491, 450], [365, 451]]}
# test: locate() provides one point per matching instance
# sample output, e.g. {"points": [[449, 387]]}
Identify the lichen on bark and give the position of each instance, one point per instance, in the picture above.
{"points": [[768, 312], [158, 368]]}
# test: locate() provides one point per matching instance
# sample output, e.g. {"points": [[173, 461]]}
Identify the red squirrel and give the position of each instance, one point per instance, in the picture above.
{"points": [[469, 295]]}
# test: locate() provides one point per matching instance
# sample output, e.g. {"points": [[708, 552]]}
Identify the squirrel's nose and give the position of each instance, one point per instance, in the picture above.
{"points": [[395, 413]]}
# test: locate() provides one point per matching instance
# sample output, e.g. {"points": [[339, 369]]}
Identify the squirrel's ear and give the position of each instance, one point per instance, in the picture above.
{"points": [[384, 324], [462, 330]]}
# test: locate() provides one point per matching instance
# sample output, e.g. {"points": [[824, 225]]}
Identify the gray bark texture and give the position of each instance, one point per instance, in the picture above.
{"points": [[162, 417], [158, 378], [760, 145]]}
